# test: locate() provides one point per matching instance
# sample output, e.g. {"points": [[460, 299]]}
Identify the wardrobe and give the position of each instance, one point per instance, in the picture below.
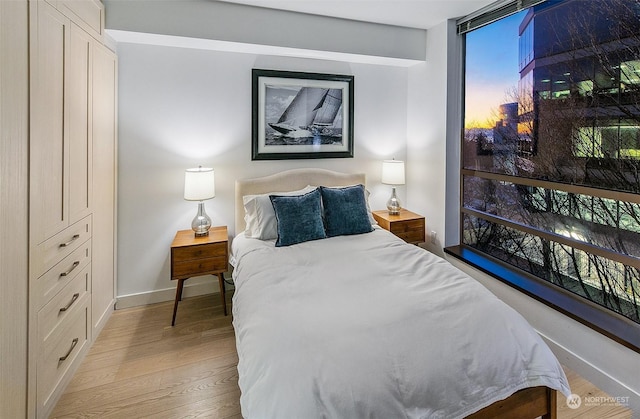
{"points": [[68, 191]]}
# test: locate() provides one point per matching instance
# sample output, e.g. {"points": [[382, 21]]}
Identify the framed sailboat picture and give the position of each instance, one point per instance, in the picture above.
{"points": [[301, 115]]}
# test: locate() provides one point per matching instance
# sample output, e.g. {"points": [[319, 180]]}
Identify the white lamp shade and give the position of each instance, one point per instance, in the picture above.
{"points": [[199, 184], [393, 172]]}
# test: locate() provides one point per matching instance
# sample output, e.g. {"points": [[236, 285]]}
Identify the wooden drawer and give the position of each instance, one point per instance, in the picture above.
{"points": [[58, 355], [194, 267], [65, 304], [51, 251], [200, 251], [411, 231], [200, 259], [61, 274]]}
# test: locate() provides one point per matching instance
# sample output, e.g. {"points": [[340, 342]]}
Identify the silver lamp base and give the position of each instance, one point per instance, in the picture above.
{"points": [[201, 223], [393, 204]]}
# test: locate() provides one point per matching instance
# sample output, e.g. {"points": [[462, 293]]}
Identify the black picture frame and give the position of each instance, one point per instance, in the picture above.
{"points": [[298, 115]]}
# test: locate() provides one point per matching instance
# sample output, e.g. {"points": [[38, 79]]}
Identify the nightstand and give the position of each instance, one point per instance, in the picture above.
{"points": [[407, 225], [195, 256]]}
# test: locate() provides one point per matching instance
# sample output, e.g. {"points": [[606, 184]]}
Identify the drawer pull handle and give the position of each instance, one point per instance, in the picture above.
{"points": [[73, 345], [74, 238], [73, 300], [75, 265]]}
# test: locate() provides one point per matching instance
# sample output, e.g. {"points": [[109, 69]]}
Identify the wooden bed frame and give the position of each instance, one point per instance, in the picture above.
{"points": [[527, 403]]}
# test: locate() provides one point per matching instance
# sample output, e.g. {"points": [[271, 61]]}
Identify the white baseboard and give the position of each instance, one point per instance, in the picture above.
{"points": [[104, 317], [167, 294]]}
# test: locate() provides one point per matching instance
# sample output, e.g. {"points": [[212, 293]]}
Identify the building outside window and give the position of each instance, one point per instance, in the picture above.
{"points": [[551, 147]]}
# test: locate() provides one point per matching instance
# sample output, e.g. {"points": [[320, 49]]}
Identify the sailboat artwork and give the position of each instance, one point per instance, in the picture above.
{"points": [[312, 116], [299, 115]]}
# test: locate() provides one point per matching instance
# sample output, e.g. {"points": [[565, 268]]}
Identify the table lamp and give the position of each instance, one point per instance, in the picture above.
{"points": [[393, 174], [199, 185]]}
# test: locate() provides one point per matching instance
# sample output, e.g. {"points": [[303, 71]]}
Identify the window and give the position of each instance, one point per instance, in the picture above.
{"points": [[551, 149]]}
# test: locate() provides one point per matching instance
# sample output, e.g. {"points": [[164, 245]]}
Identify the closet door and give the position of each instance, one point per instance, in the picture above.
{"points": [[104, 182], [49, 167], [60, 149], [77, 98]]}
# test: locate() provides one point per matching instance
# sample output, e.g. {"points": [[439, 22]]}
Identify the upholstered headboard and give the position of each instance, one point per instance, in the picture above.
{"points": [[289, 180]]}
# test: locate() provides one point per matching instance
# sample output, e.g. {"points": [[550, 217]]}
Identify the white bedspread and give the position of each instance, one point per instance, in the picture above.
{"points": [[367, 326]]}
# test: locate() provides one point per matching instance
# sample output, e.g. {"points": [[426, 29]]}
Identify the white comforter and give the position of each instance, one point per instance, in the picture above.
{"points": [[367, 326]]}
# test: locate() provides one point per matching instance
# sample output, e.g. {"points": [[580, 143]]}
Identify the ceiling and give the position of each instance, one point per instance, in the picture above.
{"points": [[410, 13]]}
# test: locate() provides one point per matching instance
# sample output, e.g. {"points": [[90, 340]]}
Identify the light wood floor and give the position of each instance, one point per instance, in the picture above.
{"points": [[141, 367]]}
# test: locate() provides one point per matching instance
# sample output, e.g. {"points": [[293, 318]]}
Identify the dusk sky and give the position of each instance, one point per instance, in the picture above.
{"points": [[491, 69]]}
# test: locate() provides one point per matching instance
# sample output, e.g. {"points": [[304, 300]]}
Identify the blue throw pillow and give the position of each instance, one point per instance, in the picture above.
{"points": [[345, 211], [299, 218]]}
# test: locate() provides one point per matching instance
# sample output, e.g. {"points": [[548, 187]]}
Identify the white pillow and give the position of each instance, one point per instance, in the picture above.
{"points": [[366, 197], [259, 216]]}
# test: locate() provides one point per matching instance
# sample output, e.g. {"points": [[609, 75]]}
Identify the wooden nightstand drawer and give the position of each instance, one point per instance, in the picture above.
{"points": [[195, 267], [410, 231], [200, 251], [407, 225]]}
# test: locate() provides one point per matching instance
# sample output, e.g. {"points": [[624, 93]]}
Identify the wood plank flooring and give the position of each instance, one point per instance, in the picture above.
{"points": [[141, 367]]}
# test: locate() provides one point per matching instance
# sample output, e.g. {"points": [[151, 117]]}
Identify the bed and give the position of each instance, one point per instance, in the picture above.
{"points": [[366, 325]]}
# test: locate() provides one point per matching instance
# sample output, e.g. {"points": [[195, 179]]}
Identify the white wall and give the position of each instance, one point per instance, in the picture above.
{"points": [[179, 108], [426, 138]]}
